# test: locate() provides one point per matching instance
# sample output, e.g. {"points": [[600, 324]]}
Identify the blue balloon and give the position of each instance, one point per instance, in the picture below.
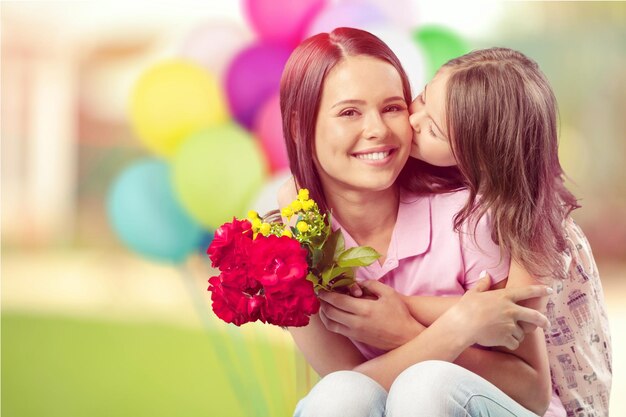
{"points": [[205, 241], [146, 216]]}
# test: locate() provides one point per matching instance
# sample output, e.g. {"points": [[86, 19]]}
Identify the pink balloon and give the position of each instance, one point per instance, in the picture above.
{"points": [[253, 76], [283, 21], [356, 14], [268, 128], [214, 44]]}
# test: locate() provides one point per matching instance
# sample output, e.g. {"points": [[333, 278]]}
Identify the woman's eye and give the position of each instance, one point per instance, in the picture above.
{"points": [[432, 132], [348, 113], [394, 108]]}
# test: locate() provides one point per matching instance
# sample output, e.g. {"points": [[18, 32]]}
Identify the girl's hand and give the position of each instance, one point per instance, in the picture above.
{"points": [[492, 318], [381, 320]]}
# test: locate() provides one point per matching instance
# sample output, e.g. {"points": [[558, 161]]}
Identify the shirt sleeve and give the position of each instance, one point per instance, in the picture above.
{"points": [[480, 253]]}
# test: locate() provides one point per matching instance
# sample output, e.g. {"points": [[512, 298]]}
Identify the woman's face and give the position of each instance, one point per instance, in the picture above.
{"points": [[431, 141], [362, 133]]}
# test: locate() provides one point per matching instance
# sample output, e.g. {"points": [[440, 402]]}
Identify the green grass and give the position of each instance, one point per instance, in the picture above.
{"points": [[55, 366]]}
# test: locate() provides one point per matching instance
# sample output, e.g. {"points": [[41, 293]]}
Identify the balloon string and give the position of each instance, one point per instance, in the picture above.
{"points": [[244, 388]]}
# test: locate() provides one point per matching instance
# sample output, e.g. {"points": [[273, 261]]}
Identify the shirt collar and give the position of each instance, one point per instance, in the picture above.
{"points": [[412, 232]]}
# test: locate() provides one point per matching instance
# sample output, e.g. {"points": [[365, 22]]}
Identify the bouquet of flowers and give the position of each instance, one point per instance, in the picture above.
{"points": [[271, 271]]}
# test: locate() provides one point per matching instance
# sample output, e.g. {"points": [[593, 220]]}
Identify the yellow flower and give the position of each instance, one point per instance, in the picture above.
{"points": [[296, 206], [307, 205], [265, 229], [256, 224], [287, 233], [302, 226], [303, 194], [253, 215], [286, 212]]}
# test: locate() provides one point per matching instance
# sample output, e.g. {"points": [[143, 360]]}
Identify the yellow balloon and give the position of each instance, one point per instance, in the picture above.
{"points": [[172, 100]]}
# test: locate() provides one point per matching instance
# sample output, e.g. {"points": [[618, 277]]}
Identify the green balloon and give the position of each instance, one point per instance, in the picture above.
{"points": [[217, 173], [439, 45]]}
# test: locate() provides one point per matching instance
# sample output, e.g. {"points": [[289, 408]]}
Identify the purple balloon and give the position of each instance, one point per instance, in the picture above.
{"points": [[252, 78]]}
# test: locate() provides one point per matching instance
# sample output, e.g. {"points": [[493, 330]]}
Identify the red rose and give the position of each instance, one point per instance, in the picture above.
{"points": [[230, 305], [231, 244], [278, 260], [291, 304]]}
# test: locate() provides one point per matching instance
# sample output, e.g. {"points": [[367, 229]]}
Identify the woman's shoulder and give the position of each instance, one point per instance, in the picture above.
{"points": [[287, 192], [451, 201]]}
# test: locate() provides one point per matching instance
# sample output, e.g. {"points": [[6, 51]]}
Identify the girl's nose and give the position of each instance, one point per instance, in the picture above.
{"points": [[414, 120]]}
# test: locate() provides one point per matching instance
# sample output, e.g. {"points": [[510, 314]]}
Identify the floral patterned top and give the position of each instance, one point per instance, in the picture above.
{"points": [[579, 343]]}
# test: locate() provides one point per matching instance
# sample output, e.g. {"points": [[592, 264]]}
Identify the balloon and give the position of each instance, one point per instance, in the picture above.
{"points": [[205, 241], [400, 14], [214, 44], [283, 21], [407, 52], [349, 14], [172, 100], [267, 198], [147, 218], [216, 173], [252, 77], [439, 45], [268, 128]]}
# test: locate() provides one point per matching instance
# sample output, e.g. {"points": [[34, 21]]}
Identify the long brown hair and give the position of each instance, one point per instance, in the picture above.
{"points": [[502, 121]]}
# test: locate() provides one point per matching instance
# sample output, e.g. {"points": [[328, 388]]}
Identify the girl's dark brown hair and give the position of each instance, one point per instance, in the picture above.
{"points": [[502, 121]]}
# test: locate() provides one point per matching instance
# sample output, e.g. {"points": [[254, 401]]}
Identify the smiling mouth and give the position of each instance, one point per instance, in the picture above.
{"points": [[374, 156]]}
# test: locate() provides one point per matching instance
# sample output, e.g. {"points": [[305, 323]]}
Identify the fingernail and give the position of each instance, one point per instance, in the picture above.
{"points": [[549, 290], [482, 274], [358, 292]]}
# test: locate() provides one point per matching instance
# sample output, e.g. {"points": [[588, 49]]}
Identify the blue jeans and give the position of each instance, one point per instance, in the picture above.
{"points": [[429, 389]]}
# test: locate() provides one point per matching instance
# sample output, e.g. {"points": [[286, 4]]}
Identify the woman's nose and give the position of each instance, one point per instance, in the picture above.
{"points": [[375, 126]]}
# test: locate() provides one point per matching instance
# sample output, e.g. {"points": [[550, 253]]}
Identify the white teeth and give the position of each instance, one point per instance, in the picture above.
{"points": [[374, 156]]}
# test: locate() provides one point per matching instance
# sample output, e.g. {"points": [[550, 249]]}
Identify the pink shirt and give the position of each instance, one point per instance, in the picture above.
{"points": [[427, 257]]}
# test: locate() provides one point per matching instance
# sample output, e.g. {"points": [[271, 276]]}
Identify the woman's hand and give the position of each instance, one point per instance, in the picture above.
{"points": [[492, 318], [381, 320]]}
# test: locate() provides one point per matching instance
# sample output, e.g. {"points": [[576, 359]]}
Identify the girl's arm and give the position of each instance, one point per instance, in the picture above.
{"points": [[487, 318], [367, 320]]}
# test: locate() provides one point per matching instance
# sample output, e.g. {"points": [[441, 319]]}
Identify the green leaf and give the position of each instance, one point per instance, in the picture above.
{"points": [[333, 272], [359, 256], [341, 245], [313, 278], [317, 256], [329, 248], [343, 282]]}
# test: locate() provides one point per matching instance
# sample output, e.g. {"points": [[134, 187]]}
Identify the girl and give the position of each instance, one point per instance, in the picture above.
{"points": [[344, 102], [492, 113]]}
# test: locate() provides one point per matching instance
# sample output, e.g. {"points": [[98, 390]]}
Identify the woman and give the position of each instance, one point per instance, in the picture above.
{"points": [[492, 113], [344, 102]]}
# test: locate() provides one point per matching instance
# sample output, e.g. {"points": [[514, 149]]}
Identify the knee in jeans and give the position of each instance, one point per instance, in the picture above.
{"points": [[343, 393], [421, 385]]}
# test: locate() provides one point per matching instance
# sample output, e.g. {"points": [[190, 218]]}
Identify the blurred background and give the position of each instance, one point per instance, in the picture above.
{"points": [[131, 130]]}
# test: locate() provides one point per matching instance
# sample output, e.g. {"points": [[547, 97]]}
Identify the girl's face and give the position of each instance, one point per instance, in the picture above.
{"points": [[362, 132], [431, 141]]}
